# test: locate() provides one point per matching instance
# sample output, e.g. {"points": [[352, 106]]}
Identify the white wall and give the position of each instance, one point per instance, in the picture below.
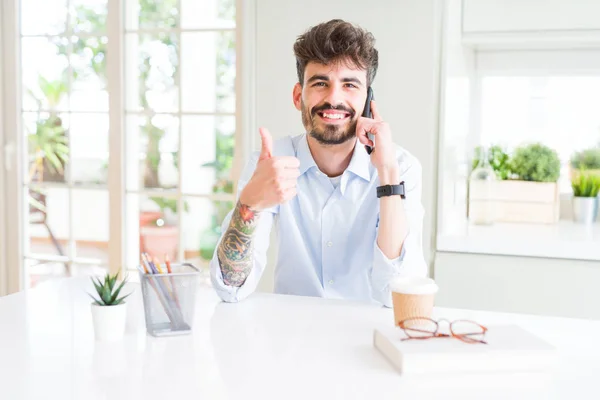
{"points": [[542, 286], [405, 86]]}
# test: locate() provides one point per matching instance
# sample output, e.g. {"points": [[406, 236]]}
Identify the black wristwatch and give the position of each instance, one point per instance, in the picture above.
{"points": [[391, 190]]}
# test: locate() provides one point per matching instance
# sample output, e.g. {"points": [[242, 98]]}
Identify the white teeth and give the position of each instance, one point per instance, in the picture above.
{"points": [[334, 116]]}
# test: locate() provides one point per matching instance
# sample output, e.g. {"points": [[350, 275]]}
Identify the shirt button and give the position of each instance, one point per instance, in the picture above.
{"points": [[329, 244], [331, 281]]}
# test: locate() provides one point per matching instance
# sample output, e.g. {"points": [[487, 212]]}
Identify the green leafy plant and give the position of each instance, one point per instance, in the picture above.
{"points": [[498, 159], [109, 295], [536, 162], [586, 185], [48, 147], [48, 144], [586, 159], [170, 204]]}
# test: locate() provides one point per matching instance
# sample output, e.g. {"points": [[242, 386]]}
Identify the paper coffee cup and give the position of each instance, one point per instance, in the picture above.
{"points": [[412, 297]]}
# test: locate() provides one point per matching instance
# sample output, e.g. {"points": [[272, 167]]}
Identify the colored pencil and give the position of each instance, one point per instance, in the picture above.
{"points": [[156, 262], [168, 262]]}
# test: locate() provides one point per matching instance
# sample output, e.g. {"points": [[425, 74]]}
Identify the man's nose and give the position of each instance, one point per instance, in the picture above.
{"points": [[335, 95]]}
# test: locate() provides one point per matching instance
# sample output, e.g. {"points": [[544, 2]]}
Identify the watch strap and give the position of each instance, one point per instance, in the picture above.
{"points": [[391, 190]]}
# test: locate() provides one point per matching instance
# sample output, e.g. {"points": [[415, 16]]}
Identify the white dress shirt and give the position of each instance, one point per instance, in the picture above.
{"points": [[327, 234]]}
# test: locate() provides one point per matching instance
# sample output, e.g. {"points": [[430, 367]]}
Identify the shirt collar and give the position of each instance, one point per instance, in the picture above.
{"points": [[359, 163], [304, 156]]}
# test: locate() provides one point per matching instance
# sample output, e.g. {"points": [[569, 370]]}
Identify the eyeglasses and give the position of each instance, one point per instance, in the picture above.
{"points": [[427, 328]]}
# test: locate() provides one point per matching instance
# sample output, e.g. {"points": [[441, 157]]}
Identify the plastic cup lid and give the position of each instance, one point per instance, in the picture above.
{"points": [[414, 285]]}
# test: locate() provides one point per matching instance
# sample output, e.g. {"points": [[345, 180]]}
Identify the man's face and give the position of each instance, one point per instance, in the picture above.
{"points": [[331, 101]]}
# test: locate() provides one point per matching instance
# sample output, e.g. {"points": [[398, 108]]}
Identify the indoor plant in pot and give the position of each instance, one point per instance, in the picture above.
{"points": [[585, 186], [109, 311], [533, 193], [526, 189]]}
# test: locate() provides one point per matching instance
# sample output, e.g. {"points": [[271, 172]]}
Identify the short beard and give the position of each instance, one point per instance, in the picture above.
{"points": [[332, 134]]}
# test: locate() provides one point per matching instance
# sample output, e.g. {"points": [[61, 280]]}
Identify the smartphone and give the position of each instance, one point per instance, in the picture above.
{"points": [[367, 114]]}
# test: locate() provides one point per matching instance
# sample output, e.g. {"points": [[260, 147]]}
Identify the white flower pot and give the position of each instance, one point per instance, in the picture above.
{"points": [[585, 209], [109, 322]]}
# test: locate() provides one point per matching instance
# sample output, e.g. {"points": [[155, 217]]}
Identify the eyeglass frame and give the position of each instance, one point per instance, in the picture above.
{"points": [[436, 334]]}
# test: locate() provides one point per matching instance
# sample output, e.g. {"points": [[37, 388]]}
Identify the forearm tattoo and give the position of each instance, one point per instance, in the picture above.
{"points": [[235, 250]]}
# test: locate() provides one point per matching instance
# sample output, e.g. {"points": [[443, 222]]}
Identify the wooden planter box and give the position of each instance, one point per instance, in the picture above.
{"points": [[519, 201]]}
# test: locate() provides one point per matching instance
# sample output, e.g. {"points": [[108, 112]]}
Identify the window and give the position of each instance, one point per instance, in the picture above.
{"points": [[560, 111], [65, 137], [512, 98], [179, 131], [180, 124]]}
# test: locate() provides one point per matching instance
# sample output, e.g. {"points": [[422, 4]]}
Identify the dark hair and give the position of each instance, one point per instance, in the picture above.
{"points": [[337, 41]]}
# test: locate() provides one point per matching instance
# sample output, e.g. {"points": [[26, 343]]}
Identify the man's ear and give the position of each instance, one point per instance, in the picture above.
{"points": [[297, 96]]}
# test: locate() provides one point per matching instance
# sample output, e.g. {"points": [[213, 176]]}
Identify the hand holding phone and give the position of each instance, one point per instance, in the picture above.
{"points": [[367, 114]]}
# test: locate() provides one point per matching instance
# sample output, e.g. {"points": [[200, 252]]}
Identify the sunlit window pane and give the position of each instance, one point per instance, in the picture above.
{"points": [[202, 227], [46, 141], [43, 17], [558, 111], [207, 154], [47, 222], [89, 148], [45, 73], [153, 82], [152, 14], [88, 16], [91, 230], [153, 152], [208, 82], [207, 14], [88, 63]]}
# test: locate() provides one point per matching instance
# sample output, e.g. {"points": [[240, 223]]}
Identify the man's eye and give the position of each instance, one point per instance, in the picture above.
{"points": [[319, 84], [351, 85]]}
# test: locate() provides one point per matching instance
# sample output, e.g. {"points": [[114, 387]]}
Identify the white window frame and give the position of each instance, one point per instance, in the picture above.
{"points": [[13, 270], [12, 273], [3, 271]]}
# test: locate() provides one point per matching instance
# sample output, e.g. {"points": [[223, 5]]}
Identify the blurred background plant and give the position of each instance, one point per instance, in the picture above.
{"points": [[498, 158], [48, 144], [536, 162], [588, 159]]}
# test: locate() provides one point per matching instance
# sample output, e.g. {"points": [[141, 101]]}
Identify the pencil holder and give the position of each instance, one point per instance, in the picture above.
{"points": [[169, 300]]}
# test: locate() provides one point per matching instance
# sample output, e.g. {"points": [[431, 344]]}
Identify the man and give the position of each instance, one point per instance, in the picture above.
{"points": [[337, 237]]}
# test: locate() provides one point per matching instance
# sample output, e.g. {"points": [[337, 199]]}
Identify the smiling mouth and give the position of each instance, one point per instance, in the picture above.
{"points": [[333, 116]]}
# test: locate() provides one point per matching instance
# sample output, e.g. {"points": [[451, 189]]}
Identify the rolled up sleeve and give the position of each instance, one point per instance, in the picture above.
{"points": [[411, 261]]}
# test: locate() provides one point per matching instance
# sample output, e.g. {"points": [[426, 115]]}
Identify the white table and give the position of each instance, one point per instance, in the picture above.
{"points": [[266, 347]]}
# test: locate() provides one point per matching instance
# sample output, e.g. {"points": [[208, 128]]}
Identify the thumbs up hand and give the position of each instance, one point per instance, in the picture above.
{"points": [[274, 179], [266, 149]]}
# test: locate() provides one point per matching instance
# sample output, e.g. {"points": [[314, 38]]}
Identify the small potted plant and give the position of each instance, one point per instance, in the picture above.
{"points": [[109, 311], [585, 186]]}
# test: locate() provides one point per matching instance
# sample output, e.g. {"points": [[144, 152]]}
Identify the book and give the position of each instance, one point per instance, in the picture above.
{"points": [[509, 349]]}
